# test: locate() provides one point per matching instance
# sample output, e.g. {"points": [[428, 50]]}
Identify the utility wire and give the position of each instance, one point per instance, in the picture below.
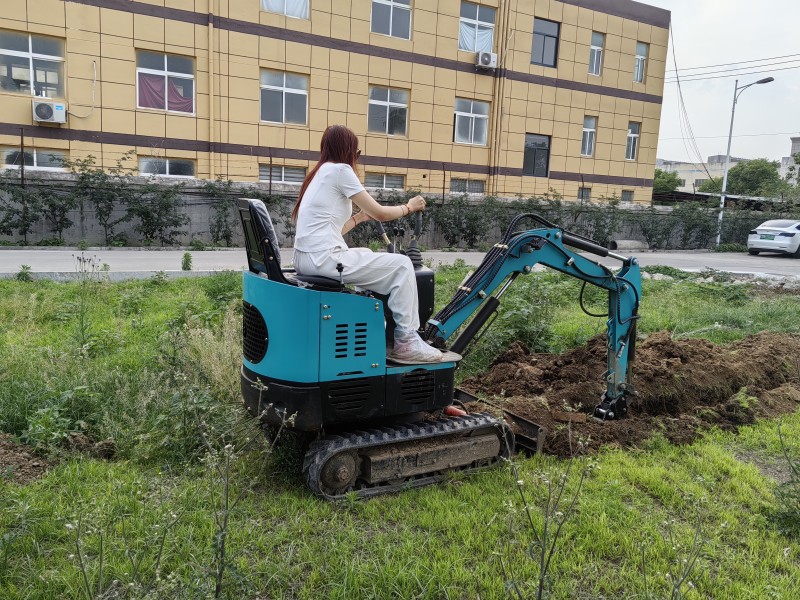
{"points": [[688, 79], [683, 121], [711, 137], [734, 63], [772, 64]]}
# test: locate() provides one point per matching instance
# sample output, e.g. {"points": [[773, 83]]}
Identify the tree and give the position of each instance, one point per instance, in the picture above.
{"points": [[56, 204], [103, 190], [664, 182], [757, 177], [156, 209], [20, 207]]}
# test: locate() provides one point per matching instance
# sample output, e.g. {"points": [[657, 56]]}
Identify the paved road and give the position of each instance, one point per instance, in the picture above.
{"points": [[132, 262]]}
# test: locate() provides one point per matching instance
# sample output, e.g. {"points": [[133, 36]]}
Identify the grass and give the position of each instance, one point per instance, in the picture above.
{"points": [[160, 364]]}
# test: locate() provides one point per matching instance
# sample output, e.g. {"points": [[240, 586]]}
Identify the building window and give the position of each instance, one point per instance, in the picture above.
{"points": [[589, 133], [388, 111], [166, 167], [627, 196], [467, 186], [697, 182], [281, 174], [476, 28], [632, 146], [545, 43], [164, 82], [471, 122], [284, 97], [34, 158], [537, 155], [392, 17], [291, 8], [384, 181], [31, 64], [640, 63], [596, 53], [585, 194]]}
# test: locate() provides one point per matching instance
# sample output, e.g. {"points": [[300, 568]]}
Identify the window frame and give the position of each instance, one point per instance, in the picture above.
{"points": [[283, 89], [632, 141], [283, 13], [389, 104], [596, 54], [392, 4], [625, 193], [535, 152], [476, 23], [545, 37], [383, 186], [283, 173], [467, 183], [35, 153], [167, 163], [640, 63], [167, 74], [472, 116], [32, 56], [589, 137]]}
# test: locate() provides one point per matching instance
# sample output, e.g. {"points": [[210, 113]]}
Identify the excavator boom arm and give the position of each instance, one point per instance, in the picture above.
{"points": [[474, 302]]}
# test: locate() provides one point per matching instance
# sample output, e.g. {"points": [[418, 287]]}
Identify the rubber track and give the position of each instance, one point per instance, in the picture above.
{"points": [[321, 451]]}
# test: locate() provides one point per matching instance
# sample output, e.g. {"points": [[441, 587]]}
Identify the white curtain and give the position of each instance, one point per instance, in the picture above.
{"points": [[297, 8], [485, 39], [466, 36]]}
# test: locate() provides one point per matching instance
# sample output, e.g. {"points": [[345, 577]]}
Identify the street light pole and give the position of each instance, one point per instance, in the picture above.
{"points": [[736, 93]]}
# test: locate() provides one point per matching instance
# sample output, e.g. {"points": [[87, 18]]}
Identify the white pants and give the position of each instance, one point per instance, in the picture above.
{"points": [[383, 273]]}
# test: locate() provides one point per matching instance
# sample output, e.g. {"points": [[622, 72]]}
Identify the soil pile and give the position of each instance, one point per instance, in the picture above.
{"points": [[683, 386], [17, 463]]}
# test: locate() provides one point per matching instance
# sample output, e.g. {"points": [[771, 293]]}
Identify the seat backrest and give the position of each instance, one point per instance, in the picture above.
{"points": [[261, 242]]}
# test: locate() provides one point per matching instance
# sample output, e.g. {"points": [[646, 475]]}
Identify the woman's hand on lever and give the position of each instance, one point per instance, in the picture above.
{"points": [[416, 204]]}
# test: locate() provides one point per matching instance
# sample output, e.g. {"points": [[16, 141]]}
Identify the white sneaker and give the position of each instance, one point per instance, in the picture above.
{"points": [[409, 347]]}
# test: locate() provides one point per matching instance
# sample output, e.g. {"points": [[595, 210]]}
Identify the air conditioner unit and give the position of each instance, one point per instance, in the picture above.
{"points": [[486, 60], [47, 111]]}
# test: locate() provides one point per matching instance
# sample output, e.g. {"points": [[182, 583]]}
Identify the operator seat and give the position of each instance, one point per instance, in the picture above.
{"points": [[264, 254]]}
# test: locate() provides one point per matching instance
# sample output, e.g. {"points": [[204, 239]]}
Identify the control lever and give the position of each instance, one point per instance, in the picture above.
{"points": [[340, 268], [382, 232], [412, 251]]}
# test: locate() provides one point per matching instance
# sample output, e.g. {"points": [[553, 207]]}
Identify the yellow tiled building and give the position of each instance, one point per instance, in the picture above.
{"points": [[569, 97]]}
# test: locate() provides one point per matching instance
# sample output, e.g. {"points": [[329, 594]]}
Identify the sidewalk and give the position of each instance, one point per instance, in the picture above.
{"points": [[139, 263]]}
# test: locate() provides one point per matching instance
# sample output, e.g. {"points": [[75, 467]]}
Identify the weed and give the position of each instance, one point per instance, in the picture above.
{"points": [[681, 561], [198, 245], [730, 247], [47, 427], [186, 261], [669, 271], [82, 245], [87, 269], [788, 493], [24, 274]]}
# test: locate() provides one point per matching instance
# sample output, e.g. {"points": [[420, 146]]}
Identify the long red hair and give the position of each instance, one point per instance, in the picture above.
{"points": [[338, 145]]}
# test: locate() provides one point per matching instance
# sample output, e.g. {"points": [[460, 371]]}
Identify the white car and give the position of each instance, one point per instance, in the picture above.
{"points": [[781, 235]]}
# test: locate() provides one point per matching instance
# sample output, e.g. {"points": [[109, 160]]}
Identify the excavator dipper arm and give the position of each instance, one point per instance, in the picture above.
{"points": [[478, 298]]}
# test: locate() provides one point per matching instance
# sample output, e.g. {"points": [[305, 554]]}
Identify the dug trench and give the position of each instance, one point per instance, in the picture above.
{"points": [[684, 386]]}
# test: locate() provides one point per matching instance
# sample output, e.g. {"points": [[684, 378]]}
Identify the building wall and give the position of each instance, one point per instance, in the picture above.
{"points": [[232, 40]]}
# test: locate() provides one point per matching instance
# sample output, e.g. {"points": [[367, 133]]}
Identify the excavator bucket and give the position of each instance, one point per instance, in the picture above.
{"points": [[528, 436]]}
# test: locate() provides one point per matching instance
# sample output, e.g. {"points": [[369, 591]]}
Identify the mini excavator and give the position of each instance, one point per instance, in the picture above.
{"points": [[316, 359]]}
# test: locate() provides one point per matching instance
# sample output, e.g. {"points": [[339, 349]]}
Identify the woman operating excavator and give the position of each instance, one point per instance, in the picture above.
{"points": [[324, 213]]}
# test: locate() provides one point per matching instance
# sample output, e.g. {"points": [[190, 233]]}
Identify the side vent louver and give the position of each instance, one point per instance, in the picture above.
{"points": [[350, 343], [348, 396], [417, 386], [254, 334]]}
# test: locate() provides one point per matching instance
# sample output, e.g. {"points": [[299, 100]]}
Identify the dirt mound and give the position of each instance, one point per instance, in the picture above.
{"points": [[683, 385], [17, 463]]}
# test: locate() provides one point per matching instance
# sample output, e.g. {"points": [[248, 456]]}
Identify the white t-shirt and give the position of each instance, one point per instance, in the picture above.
{"points": [[325, 208]]}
